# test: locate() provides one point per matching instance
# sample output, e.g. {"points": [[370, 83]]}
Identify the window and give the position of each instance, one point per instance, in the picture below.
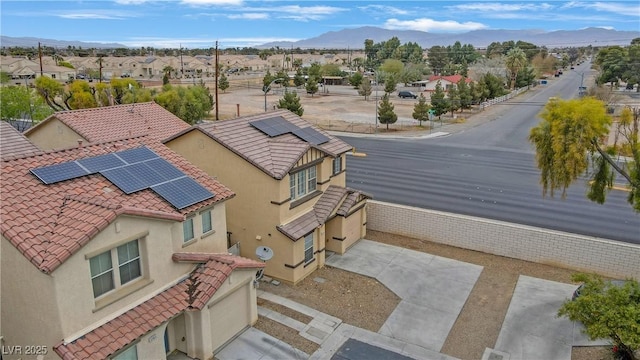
{"points": [[187, 230], [104, 277], [302, 182], [337, 165], [130, 354], [308, 248], [206, 222]]}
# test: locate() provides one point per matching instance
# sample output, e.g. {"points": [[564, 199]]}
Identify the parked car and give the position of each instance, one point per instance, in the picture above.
{"points": [[407, 94], [577, 292]]}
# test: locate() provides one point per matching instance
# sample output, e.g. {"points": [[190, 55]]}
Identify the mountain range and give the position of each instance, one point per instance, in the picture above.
{"points": [[354, 39]]}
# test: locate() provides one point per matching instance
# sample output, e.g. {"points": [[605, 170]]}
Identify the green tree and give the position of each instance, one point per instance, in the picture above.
{"points": [[439, 103], [356, 80], [4, 77], [20, 102], [331, 70], [386, 115], [223, 83], [453, 98], [291, 102], [569, 141], [515, 61], [80, 96], [51, 91], [365, 89], [312, 86], [607, 311], [613, 64], [390, 83], [464, 94], [421, 109], [298, 79], [438, 59], [190, 104], [392, 67]]}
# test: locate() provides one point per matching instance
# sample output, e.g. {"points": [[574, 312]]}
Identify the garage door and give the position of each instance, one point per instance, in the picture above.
{"points": [[229, 316]]}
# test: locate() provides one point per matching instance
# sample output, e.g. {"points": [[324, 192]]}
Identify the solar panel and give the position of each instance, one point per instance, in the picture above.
{"points": [[136, 155], [125, 180], [182, 192], [103, 162], [274, 126], [311, 135], [164, 168], [59, 172], [145, 174]]}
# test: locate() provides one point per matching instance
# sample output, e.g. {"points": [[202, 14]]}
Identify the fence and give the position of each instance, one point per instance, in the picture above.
{"points": [[582, 253]]}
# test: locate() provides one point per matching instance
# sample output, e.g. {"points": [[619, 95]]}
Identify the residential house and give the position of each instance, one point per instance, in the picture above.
{"points": [[445, 81], [118, 250], [289, 177], [13, 143], [65, 128], [24, 70]]}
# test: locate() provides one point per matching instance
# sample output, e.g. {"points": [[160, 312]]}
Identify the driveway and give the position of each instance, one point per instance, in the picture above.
{"points": [[433, 289], [531, 328]]}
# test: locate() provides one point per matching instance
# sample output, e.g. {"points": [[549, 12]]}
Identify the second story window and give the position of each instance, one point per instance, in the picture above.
{"points": [[187, 230], [206, 222], [302, 182], [105, 277], [337, 165]]}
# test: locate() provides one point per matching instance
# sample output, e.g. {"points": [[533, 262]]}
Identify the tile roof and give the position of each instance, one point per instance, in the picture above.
{"points": [[110, 123], [117, 334], [335, 199], [13, 143], [273, 155], [49, 223], [450, 78]]}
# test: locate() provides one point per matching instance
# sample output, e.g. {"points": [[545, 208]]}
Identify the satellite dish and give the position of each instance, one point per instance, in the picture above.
{"points": [[264, 253]]}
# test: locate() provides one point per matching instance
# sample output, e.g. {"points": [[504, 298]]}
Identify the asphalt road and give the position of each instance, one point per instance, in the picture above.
{"points": [[488, 171]]}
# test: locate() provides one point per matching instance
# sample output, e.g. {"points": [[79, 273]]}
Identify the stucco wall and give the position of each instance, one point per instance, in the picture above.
{"points": [[29, 314], [582, 253], [53, 134]]}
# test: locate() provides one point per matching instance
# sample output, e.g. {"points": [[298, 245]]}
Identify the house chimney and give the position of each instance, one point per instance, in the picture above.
{"points": [[80, 143]]}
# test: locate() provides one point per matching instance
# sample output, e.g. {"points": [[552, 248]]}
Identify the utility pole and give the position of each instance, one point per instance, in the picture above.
{"points": [[40, 56], [216, 80], [181, 64]]}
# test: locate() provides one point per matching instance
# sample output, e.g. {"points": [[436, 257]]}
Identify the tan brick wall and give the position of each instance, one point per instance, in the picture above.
{"points": [[583, 253]]}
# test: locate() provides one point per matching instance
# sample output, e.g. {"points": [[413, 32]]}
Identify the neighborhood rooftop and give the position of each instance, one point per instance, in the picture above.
{"points": [[277, 154], [49, 223]]}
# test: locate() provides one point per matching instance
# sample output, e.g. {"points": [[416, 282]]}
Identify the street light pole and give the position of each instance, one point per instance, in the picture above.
{"points": [[266, 90], [375, 130]]}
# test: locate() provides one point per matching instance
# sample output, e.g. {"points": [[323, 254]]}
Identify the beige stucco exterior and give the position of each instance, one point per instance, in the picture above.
{"points": [[54, 134], [262, 203], [45, 309]]}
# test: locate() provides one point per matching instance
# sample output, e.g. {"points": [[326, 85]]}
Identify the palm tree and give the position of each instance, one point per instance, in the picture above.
{"points": [[516, 60], [167, 70]]}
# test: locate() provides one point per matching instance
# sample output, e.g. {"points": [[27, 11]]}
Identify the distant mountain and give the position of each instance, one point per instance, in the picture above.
{"points": [[354, 38], [8, 41]]}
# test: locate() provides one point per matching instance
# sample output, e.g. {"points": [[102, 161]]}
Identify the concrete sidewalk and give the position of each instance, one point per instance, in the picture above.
{"points": [[432, 289]]}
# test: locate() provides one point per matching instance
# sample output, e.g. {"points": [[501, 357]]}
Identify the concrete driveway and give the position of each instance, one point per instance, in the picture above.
{"points": [[531, 329], [432, 289]]}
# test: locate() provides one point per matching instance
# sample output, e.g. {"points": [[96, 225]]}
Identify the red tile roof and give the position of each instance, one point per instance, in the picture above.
{"points": [[451, 78], [117, 334], [335, 199], [110, 123], [13, 143], [49, 223], [273, 155]]}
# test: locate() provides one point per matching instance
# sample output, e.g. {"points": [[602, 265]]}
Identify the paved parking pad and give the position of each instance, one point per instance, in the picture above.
{"points": [[254, 344], [532, 329], [432, 289], [356, 350]]}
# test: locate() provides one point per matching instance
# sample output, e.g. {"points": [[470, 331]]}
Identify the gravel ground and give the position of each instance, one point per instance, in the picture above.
{"points": [[364, 302]]}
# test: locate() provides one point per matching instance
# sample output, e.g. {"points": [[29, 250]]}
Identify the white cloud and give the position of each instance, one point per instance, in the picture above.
{"points": [[380, 10], [94, 14], [211, 2], [502, 7], [628, 9], [431, 25], [249, 16]]}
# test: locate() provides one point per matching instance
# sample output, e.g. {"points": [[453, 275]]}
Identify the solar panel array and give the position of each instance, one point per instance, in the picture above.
{"points": [[277, 126], [132, 170]]}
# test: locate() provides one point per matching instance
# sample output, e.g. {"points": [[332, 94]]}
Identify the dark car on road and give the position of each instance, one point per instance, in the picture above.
{"points": [[407, 94]]}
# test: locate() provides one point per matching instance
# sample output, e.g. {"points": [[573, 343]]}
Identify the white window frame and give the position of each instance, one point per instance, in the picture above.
{"points": [[337, 165], [308, 248], [116, 276], [185, 228], [303, 182]]}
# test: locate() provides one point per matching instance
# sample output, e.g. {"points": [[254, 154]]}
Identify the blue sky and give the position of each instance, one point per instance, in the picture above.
{"points": [[199, 23]]}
